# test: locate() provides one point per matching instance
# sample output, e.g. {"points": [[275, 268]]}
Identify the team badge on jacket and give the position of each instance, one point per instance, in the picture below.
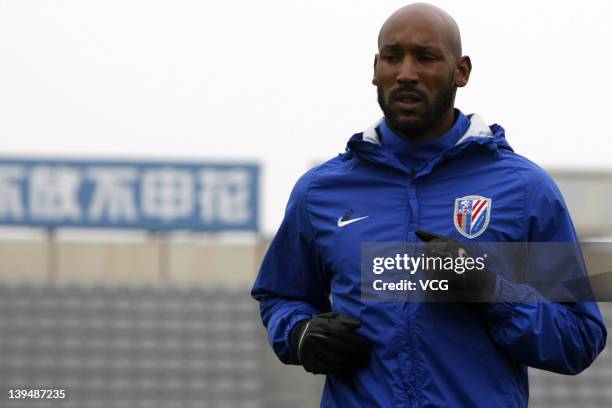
{"points": [[472, 214]]}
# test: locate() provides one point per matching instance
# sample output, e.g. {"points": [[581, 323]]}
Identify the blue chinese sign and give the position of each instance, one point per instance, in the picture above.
{"points": [[129, 194]]}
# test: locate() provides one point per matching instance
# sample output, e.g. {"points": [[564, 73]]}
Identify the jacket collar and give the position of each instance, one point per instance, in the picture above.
{"points": [[477, 127], [368, 146]]}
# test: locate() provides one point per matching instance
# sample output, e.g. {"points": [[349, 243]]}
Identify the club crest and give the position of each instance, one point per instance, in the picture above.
{"points": [[471, 215]]}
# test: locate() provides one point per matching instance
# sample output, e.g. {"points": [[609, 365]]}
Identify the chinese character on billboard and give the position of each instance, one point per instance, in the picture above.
{"points": [[118, 194]]}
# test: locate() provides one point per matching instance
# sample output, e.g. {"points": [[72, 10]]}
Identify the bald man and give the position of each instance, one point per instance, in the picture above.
{"points": [[418, 70], [425, 171]]}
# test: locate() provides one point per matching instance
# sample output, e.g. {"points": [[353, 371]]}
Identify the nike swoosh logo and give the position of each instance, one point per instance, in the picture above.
{"points": [[342, 223]]}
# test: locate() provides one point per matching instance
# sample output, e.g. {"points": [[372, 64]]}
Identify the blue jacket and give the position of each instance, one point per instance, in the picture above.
{"points": [[425, 354]]}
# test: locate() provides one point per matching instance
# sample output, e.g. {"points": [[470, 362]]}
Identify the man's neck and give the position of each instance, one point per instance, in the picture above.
{"points": [[435, 132]]}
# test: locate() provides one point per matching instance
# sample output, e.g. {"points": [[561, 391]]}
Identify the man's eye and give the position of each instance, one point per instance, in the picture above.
{"points": [[391, 58], [428, 57]]}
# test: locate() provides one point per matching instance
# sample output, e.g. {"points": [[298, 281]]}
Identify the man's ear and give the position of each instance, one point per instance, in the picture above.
{"points": [[374, 80], [464, 67]]}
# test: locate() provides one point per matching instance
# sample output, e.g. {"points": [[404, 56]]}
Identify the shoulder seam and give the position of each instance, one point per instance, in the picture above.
{"points": [[313, 231], [314, 173], [525, 229]]}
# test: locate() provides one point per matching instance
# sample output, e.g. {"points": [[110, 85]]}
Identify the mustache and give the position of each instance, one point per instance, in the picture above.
{"points": [[407, 90]]}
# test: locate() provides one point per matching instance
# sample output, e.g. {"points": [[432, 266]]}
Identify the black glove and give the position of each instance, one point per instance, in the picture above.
{"points": [[470, 286], [329, 344]]}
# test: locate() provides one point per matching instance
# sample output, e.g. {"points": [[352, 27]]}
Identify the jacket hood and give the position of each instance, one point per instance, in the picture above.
{"points": [[479, 135]]}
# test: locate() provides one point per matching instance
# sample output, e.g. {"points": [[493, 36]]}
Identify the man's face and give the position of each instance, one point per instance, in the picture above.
{"points": [[415, 74]]}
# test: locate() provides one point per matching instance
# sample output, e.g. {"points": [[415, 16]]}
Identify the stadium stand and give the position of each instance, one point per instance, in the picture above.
{"points": [[181, 347]]}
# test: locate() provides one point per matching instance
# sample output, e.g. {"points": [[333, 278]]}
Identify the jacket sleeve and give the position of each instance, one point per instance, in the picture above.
{"points": [[560, 337], [291, 284]]}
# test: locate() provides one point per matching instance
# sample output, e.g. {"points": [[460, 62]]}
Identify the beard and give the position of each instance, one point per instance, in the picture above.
{"points": [[440, 104]]}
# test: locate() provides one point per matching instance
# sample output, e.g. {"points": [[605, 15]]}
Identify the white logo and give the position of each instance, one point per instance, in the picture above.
{"points": [[342, 222]]}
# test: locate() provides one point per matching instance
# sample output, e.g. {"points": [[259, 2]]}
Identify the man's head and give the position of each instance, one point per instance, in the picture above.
{"points": [[417, 70]]}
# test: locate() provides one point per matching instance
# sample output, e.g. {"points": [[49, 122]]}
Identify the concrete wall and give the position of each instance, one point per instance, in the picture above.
{"points": [[154, 262]]}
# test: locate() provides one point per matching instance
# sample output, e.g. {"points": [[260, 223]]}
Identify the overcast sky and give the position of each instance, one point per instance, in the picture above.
{"points": [[285, 83]]}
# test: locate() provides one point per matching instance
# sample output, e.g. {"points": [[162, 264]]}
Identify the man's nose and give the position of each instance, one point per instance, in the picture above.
{"points": [[407, 71]]}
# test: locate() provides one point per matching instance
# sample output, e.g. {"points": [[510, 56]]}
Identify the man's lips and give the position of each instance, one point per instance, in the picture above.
{"points": [[406, 100], [407, 103], [407, 97]]}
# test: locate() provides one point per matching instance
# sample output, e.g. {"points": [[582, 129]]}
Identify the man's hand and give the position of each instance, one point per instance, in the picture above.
{"points": [[329, 344], [470, 286]]}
